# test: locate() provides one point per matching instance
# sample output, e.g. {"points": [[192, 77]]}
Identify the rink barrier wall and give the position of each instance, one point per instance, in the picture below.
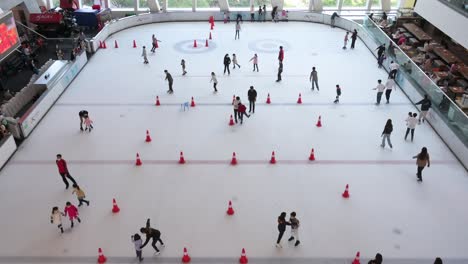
{"points": [[456, 145], [7, 149]]}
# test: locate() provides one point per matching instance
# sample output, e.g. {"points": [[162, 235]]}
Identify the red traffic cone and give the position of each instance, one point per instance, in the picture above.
{"points": [[212, 25], [231, 121], [206, 43], [134, 44], [268, 99], [194, 43], [104, 45], [230, 211], [115, 207], [210, 38], [273, 159], [346, 194], [116, 45], [101, 257], [186, 257], [319, 122], [138, 160], [192, 104], [148, 138], [299, 100], [181, 159], [100, 45], [312, 155], [156, 45], [157, 101], [243, 259], [234, 159], [356, 259]]}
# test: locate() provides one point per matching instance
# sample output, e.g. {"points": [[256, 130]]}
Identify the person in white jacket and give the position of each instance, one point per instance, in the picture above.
{"points": [[411, 123], [214, 80], [56, 218], [389, 85], [235, 105], [380, 89]]}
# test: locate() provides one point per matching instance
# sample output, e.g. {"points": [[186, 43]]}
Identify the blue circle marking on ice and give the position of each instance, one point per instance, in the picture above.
{"points": [[186, 46], [268, 45]]}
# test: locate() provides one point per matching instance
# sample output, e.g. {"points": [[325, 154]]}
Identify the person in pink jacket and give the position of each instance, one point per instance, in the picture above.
{"points": [[255, 62], [72, 213]]}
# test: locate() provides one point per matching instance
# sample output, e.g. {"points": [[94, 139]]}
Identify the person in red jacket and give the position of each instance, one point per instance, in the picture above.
{"points": [[72, 212], [281, 54], [63, 170], [241, 109]]}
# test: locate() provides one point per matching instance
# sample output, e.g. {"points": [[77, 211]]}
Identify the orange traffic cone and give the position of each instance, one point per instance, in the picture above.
{"points": [[212, 25], [134, 44], [243, 259], [319, 122], [231, 121], [156, 45], [356, 259], [192, 104], [100, 44], [312, 155], [101, 257], [116, 45], [157, 101], [268, 99], [148, 138], [206, 43], [138, 160], [115, 207], [186, 257], [210, 38], [346, 193], [194, 43], [299, 100], [230, 211], [104, 45], [181, 159], [273, 159], [234, 159]]}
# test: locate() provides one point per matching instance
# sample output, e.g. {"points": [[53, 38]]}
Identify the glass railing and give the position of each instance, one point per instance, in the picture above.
{"points": [[442, 105], [461, 6]]}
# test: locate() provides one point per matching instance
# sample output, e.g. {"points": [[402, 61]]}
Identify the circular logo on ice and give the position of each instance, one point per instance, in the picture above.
{"points": [[268, 45], [187, 46]]}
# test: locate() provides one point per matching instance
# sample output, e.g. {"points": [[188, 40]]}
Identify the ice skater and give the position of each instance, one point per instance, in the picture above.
{"points": [[281, 54], [294, 228], [332, 19], [169, 80], [353, 38], [411, 123], [72, 213], [63, 170], [56, 218], [346, 40], [137, 242], [264, 13], [80, 195], [380, 61], [380, 89], [280, 70], [182, 63], [377, 260], [154, 42], [234, 61], [393, 69], [425, 106], [238, 28], [422, 159], [338, 94], [144, 55], [389, 85], [313, 78], [254, 60], [88, 123], [386, 134], [260, 11], [242, 111], [235, 105], [252, 13], [252, 95], [226, 62], [82, 114], [380, 51], [282, 223], [153, 234], [214, 80]]}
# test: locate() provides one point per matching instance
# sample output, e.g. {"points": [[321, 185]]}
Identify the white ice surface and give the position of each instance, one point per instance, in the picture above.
{"points": [[388, 212]]}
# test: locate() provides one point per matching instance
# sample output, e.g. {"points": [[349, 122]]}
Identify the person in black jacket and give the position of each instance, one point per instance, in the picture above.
{"points": [[226, 62], [353, 38], [83, 114], [425, 106], [151, 233], [332, 20], [386, 133], [377, 260], [438, 261], [169, 80], [280, 70], [282, 223], [380, 51], [252, 95]]}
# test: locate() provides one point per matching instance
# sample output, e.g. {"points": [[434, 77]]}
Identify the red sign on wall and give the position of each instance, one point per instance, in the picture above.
{"points": [[45, 18]]}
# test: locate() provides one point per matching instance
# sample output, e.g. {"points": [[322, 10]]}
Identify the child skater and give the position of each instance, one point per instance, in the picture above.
{"points": [[56, 218], [338, 94], [234, 61], [80, 195], [136, 239], [345, 40], [154, 43], [72, 213], [214, 80], [144, 55], [88, 123], [255, 62], [182, 63]]}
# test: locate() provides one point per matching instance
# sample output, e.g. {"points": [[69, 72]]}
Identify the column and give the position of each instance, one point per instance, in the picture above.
{"points": [[194, 5]]}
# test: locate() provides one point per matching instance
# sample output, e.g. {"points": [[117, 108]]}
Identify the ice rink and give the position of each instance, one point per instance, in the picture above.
{"points": [[388, 211]]}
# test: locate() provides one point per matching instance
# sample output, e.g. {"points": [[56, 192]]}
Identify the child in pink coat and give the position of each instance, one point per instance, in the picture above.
{"points": [[88, 123], [72, 212]]}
